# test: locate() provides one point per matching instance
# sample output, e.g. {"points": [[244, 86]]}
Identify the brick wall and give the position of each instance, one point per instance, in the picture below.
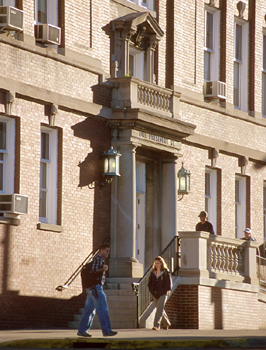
{"points": [[34, 262], [206, 307], [182, 307]]}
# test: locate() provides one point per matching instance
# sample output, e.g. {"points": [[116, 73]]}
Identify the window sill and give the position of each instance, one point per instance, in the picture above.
{"points": [[135, 7], [49, 227], [9, 221]]}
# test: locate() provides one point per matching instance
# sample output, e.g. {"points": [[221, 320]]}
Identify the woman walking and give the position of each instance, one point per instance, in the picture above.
{"points": [[160, 284]]}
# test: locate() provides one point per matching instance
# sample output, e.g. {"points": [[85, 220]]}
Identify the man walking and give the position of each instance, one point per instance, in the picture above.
{"points": [[96, 299], [204, 225]]}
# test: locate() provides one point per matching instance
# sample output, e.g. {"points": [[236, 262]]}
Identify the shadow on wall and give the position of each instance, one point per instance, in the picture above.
{"points": [[91, 170], [216, 299], [6, 249], [37, 312]]}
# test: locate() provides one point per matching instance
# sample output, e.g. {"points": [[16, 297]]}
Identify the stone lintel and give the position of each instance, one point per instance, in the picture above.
{"points": [[145, 120]]}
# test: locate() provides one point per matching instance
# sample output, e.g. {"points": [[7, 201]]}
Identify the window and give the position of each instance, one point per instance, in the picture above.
{"points": [[212, 44], [148, 4], [136, 63], [47, 11], [7, 155], [8, 3], [211, 196], [241, 66], [240, 206], [264, 77], [48, 176]]}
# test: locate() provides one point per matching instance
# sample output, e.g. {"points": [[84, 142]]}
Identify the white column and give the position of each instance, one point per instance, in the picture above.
{"points": [[169, 200], [123, 235]]}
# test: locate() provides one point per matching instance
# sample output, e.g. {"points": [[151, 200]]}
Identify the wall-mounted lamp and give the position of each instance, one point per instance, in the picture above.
{"points": [[183, 184], [111, 166]]}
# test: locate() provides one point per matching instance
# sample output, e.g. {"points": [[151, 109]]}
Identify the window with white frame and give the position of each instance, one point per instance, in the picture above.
{"points": [[46, 11], [211, 196], [263, 97], [212, 44], [8, 3], [240, 206], [148, 4], [48, 176], [241, 66], [136, 63], [7, 154]]}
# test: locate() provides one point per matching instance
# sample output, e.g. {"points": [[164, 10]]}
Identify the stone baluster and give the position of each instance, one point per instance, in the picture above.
{"points": [[215, 257], [209, 257], [226, 258]]}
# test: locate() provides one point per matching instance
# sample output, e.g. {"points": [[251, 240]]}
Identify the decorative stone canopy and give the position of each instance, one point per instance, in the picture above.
{"points": [[141, 31]]}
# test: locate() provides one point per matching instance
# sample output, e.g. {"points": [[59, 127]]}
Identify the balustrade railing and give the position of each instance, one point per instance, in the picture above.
{"points": [[144, 297], [155, 98], [261, 271], [224, 258]]}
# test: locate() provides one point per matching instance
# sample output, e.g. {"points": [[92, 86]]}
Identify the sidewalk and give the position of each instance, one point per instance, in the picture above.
{"points": [[134, 339]]}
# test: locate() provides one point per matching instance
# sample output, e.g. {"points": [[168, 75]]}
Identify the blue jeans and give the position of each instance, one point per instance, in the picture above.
{"points": [[95, 302]]}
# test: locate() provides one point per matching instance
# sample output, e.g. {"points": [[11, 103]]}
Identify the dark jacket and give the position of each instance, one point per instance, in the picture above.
{"points": [[159, 285]]}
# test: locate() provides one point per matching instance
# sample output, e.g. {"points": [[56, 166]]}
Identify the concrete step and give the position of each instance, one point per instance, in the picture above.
{"points": [[119, 283], [120, 292], [122, 303]]}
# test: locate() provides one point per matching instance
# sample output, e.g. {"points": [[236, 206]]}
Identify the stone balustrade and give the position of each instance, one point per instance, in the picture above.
{"points": [[224, 258], [130, 92], [206, 255]]}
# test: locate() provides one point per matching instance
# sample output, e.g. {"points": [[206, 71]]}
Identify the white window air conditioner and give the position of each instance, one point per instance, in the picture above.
{"points": [[13, 204], [48, 34], [214, 89], [11, 19]]}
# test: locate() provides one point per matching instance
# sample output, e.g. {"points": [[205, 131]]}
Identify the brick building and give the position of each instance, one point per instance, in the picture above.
{"points": [[163, 82]]}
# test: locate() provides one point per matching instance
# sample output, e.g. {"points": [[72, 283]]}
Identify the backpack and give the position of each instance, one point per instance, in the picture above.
{"points": [[88, 278]]}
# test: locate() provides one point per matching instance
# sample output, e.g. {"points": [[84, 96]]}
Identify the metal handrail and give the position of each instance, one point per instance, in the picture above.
{"points": [[78, 270], [144, 297]]}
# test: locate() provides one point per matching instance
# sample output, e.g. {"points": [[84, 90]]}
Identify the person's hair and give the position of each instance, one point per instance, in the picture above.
{"points": [[103, 246], [164, 265]]}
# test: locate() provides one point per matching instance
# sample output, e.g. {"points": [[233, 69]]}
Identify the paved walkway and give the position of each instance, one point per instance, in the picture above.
{"points": [[133, 339]]}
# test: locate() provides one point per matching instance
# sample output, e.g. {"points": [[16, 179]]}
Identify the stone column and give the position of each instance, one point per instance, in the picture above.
{"points": [[194, 254], [250, 264], [123, 233], [169, 200]]}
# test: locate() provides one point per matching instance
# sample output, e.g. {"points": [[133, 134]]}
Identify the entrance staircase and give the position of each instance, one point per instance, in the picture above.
{"points": [[122, 304], [127, 308]]}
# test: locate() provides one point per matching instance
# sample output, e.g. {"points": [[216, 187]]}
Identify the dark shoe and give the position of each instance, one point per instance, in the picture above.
{"points": [[84, 334], [110, 334]]}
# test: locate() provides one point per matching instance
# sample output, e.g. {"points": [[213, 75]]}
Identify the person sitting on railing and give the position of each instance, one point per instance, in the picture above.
{"points": [[96, 298], [204, 225], [160, 284]]}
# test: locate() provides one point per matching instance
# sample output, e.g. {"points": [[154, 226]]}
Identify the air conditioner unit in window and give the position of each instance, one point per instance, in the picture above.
{"points": [[214, 89], [11, 19], [13, 204], [48, 34]]}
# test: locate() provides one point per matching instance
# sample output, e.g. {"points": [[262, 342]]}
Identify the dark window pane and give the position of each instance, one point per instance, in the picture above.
{"points": [[45, 146], [2, 135], [238, 42], [209, 31]]}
